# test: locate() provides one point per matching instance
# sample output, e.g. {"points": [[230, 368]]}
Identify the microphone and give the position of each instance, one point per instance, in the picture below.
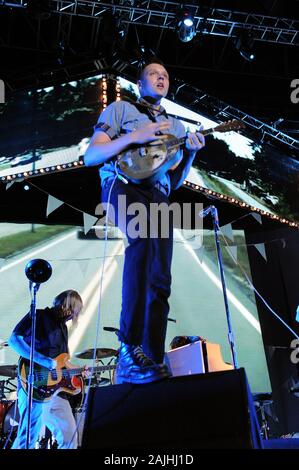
{"points": [[205, 211], [38, 270], [171, 319], [110, 328], [214, 213]]}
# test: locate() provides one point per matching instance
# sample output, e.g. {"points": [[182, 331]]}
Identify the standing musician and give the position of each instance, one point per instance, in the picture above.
{"points": [[51, 342], [147, 267]]}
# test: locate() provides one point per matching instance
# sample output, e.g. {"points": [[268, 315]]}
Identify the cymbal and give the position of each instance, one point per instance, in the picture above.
{"points": [[101, 353], [9, 371]]}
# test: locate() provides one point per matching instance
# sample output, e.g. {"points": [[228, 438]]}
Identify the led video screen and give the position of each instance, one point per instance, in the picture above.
{"points": [[43, 129], [49, 129]]}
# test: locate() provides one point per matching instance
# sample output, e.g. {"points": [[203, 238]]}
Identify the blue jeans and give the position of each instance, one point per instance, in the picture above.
{"points": [[147, 272]]}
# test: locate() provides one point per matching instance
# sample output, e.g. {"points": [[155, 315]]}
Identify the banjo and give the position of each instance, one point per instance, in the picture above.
{"points": [[147, 164]]}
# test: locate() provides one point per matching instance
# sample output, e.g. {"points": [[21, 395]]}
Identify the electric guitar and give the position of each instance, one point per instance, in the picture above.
{"points": [[50, 382], [147, 164]]}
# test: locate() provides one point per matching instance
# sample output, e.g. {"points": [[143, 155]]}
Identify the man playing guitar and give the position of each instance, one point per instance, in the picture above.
{"points": [[50, 406], [146, 275]]}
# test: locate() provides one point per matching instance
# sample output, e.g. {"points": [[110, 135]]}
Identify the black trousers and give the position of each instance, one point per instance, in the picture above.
{"points": [[147, 267]]}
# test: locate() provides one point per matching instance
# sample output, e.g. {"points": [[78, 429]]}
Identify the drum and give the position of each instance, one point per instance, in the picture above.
{"points": [[9, 421]]}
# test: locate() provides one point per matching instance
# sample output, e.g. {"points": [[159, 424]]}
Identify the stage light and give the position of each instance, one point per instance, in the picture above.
{"points": [[185, 26], [244, 44]]}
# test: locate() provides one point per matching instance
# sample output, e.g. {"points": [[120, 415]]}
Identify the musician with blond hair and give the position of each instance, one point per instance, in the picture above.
{"points": [[51, 352]]}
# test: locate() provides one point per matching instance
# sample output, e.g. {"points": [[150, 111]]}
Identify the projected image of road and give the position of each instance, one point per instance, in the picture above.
{"points": [[196, 302]]}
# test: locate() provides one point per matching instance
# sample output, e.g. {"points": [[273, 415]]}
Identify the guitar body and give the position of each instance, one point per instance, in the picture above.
{"points": [[48, 383], [146, 165]]}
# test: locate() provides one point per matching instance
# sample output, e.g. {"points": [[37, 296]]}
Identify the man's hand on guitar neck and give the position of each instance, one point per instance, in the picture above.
{"points": [[86, 373], [195, 141]]}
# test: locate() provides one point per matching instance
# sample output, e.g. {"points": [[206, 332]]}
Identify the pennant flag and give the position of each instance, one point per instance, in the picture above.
{"points": [[83, 266], [227, 231], [261, 249], [2, 261], [257, 217], [232, 250], [200, 253], [53, 204], [120, 262], [8, 185], [88, 221]]}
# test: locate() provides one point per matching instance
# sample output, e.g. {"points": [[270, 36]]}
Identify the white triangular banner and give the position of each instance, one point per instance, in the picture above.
{"points": [[8, 185], [261, 249], [257, 217], [233, 251], [83, 265], [53, 204], [200, 253], [120, 262], [88, 221], [2, 261], [227, 231]]}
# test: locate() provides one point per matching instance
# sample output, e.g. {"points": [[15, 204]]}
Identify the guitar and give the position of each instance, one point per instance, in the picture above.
{"points": [[50, 382], [147, 164]]}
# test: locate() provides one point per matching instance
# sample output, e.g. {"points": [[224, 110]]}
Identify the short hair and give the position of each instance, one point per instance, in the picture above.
{"points": [[68, 303], [152, 60]]}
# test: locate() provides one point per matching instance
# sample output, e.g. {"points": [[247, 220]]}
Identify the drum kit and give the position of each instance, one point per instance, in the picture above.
{"points": [[9, 414]]}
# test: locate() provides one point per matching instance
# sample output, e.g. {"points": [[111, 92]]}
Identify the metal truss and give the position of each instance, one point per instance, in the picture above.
{"points": [[162, 14], [220, 110]]}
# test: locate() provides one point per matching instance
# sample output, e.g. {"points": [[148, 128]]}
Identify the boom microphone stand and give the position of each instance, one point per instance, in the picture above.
{"points": [[231, 340], [37, 271]]}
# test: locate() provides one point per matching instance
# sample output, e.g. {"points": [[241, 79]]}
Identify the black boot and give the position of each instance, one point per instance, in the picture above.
{"points": [[135, 367]]}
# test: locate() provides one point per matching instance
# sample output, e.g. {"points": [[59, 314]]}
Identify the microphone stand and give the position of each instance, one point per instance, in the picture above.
{"points": [[30, 380], [231, 338]]}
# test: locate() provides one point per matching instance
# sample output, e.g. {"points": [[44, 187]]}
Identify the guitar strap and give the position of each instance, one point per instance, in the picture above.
{"points": [[147, 108], [63, 329]]}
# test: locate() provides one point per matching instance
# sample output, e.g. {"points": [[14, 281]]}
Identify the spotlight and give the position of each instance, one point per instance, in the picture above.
{"points": [[185, 26], [244, 44]]}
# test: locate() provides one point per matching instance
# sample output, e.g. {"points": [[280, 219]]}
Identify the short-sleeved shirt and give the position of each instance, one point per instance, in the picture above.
{"points": [[51, 336], [122, 117]]}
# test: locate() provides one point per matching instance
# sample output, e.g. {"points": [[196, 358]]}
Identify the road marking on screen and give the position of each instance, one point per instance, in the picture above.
{"points": [[33, 254], [93, 290], [243, 310]]}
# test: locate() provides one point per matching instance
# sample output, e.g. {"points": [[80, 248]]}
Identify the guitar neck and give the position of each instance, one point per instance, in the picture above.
{"points": [[78, 371], [203, 132]]}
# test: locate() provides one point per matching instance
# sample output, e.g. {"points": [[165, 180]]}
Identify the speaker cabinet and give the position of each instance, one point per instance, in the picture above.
{"points": [[213, 410]]}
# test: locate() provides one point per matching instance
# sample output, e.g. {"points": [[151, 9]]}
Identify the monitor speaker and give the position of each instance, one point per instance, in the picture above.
{"points": [[213, 410]]}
